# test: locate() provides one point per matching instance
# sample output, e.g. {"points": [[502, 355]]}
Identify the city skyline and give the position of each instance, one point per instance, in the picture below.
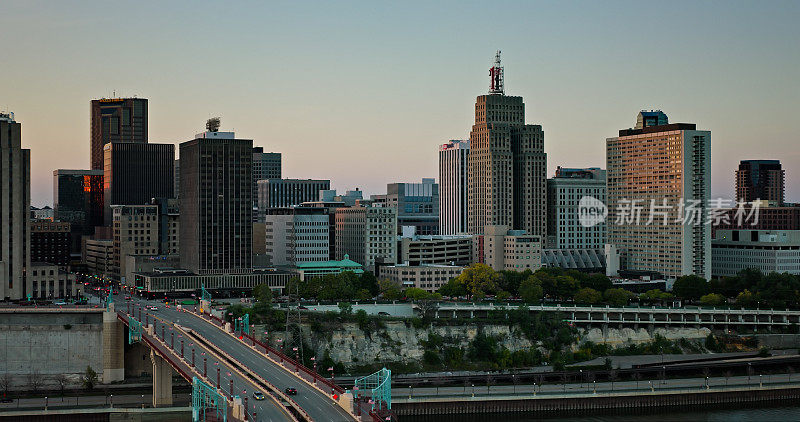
{"points": [[280, 76]]}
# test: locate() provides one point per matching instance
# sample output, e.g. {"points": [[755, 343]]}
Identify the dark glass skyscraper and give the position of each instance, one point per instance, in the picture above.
{"points": [[135, 173], [116, 120], [216, 204], [78, 200], [760, 179]]}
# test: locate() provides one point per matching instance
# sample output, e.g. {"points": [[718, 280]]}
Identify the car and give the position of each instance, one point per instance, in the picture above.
{"points": [[290, 391], [382, 313], [59, 303], [258, 395], [152, 308]]}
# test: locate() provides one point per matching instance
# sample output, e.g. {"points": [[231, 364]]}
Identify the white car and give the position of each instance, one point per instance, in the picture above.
{"points": [[60, 303]]}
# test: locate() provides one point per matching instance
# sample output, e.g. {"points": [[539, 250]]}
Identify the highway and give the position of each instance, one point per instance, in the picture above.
{"points": [[319, 406]]}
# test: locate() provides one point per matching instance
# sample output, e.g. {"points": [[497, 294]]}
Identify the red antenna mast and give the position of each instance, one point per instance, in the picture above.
{"points": [[496, 75]]}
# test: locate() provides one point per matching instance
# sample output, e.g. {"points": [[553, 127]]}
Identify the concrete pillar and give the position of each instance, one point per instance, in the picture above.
{"points": [[113, 347], [162, 381]]}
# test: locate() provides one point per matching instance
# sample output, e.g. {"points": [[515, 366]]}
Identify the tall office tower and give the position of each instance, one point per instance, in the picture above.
{"points": [[367, 234], [78, 200], [177, 178], [15, 204], [417, 206], [507, 178], [297, 235], [135, 173], [216, 204], [659, 168], [564, 194], [760, 180], [266, 165], [453, 187], [282, 193], [116, 120]]}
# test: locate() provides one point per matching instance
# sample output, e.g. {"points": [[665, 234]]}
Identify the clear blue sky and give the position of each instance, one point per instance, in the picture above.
{"points": [[363, 92]]}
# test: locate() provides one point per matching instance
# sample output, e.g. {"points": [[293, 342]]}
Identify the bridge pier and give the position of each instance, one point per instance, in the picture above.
{"points": [[113, 347], [162, 381]]}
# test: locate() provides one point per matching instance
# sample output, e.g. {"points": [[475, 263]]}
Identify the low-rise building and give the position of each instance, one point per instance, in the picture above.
{"points": [[297, 235], [766, 250], [50, 242], [427, 276], [504, 249], [435, 249], [321, 268], [586, 260], [164, 281], [48, 281], [99, 256], [148, 263]]}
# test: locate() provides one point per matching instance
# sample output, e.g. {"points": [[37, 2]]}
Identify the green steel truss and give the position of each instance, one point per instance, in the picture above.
{"points": [[204, 295], [134, 330], [242, 324], [379, 386], [204, 398]]}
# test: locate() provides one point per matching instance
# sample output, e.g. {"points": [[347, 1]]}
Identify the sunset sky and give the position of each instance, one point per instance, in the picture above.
{"points": [[363, 92]]}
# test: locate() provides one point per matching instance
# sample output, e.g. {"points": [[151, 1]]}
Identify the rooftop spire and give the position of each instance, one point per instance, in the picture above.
{"points": [[496, 75]]}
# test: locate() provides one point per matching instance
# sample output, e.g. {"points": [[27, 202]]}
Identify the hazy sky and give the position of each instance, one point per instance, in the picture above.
{"points": [[363, 92]]}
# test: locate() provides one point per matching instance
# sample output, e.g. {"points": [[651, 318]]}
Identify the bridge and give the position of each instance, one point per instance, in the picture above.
{"points": [[653, 316], [227, 364]]}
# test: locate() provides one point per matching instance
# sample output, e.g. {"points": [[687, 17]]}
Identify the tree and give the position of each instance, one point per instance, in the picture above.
{"points": [[362, 318], [588, 295], [363, 294], [263, 294], [89, 378], [345, 309], [690, 287], [479, 280], [655, 295], [62, 382], [369, 282], [389, 289], [712, 299], [597, 281], [35, 380], [617, 297], [746, 298], [453, 288], [530, 290], [415, 293]]}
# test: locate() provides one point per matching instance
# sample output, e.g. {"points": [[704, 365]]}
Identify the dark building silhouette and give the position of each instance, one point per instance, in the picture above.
{"points": [[216, 204], [135, 173], [50, 242], [116, 120], [760, 179], [78, 200]]}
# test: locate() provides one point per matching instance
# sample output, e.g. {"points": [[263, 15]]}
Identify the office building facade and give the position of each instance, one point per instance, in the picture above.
{"points": [[565, 192], [282, 193], [78, 200], [216, 204], [761, 180], [297, 235], [768, 251], [437, 249], [453, 187], [367, 234], [507, 179], [15, 204], [507, 250], [116, 120], [417, 206], [669, 167], [135, 173], [50, 242], [266, 165]]}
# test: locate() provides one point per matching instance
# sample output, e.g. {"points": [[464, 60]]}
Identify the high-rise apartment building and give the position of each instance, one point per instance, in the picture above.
{"points": [[116, 120], [78, 200], [565, 192], [417, 206], [661, 171], [367, 234], [15, 203], [507, 179], [135, 173], [266, 165], [297, 235], [216, 204], [760, 180], [453, 187], [282, 193]]}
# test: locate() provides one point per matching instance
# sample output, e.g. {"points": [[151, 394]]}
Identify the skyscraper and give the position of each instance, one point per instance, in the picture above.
{"points": [[281, 193], [506, 165], [453, 187], [666, 168], [266, 165], [760, 180], [78, 200], [116, 120], [15, 203], [134, 173], [216, 203]]}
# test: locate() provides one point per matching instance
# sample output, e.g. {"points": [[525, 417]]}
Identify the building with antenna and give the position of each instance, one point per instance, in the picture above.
{"points": [[507, 180], [116, 120]]}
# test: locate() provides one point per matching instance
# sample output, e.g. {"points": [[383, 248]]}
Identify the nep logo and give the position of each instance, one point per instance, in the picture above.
{"points": [[591, 211]]}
